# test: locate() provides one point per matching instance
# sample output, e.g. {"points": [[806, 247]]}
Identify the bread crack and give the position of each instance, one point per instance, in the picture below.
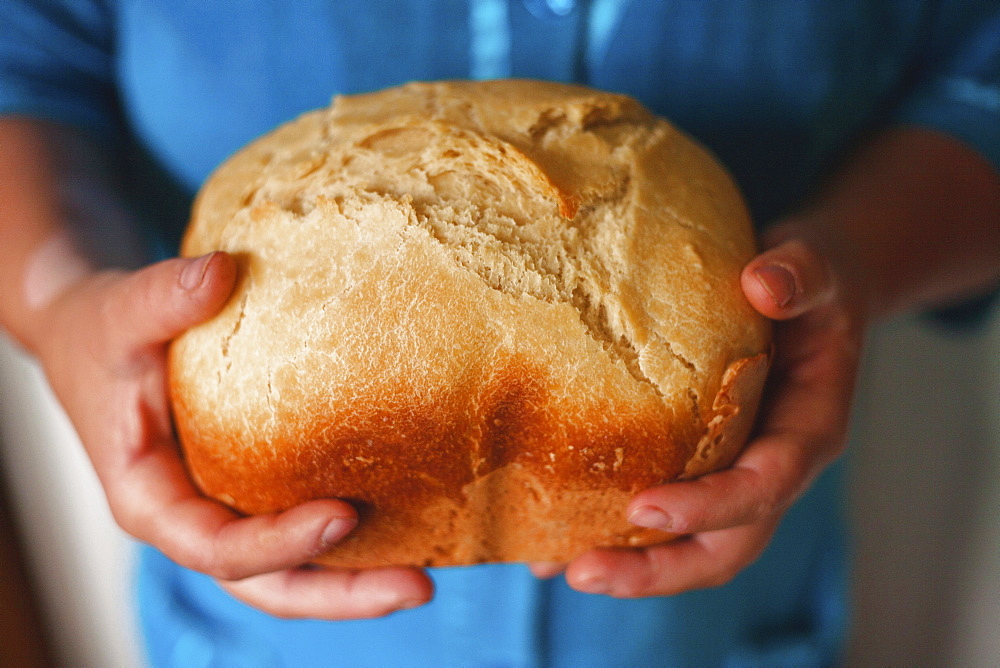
{"points": [[548, 120], [684, 361], [594, 316], [587, 116], [519, 259], [270, 391], [234, 331], [514, 209]]}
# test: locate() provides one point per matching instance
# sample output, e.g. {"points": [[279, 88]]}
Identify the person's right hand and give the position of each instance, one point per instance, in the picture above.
{"points": [[104, 351]]}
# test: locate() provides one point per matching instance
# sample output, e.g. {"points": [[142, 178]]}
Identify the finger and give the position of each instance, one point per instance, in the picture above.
{"points": [[546, 569], [801, 431], [153, 500], [696, 562], [787, 280], [813, 375], [334, 594], [766, 480], [156, 304]]}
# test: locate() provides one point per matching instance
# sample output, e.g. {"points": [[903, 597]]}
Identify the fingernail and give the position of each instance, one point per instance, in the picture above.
{"points": [[336, 529], [194, 273], [778, 282], [650, 517]]}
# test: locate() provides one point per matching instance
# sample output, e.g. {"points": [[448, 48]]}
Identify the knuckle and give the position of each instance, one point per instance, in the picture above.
{"points": [[785, 486], [128, 511], [215, 563], [781, 495], [643, 578], [766, 496], [692, 519], [126, 517], [228, 571], [188, 551], [763, 506], [201, 553]]}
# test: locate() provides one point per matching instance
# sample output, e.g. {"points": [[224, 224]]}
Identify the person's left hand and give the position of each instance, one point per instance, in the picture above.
{"points": [[727, 518]]}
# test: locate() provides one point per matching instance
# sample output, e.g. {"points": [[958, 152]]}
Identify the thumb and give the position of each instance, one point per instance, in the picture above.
{"points": [[158, 303], [788, 280]]}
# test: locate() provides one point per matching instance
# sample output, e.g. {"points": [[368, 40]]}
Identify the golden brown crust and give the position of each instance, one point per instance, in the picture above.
{"points": [[487, 313]]}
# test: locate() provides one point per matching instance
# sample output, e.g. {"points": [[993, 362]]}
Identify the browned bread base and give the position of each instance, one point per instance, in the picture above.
{"points": [[487, 313]]}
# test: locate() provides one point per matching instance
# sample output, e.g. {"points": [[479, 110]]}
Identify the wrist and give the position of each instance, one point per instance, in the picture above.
{"points": [[50, 271]]}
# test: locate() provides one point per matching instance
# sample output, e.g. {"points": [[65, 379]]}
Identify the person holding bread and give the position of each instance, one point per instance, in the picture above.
{"points": [[863, 136]]}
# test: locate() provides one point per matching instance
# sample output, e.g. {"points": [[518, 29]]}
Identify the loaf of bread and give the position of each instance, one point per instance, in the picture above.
{"points": [[485, 313]]}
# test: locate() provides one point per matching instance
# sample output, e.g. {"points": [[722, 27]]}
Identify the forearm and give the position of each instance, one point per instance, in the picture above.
{"points": [[58, 214], [911, 220]]}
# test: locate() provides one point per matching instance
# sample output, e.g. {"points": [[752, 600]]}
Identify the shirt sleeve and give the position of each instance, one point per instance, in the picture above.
{"points": [[57, 62], [957, 92], [957, 88]]}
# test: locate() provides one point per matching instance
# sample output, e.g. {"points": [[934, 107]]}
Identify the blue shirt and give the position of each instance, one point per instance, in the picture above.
{"points": [[778, 90]]}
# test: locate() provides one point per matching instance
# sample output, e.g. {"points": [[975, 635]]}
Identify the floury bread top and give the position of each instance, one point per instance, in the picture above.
{"points": [[487, 313]]}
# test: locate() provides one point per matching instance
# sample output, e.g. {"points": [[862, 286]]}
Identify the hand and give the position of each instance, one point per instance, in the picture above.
{"points": [[727, 518], [104, 352]]}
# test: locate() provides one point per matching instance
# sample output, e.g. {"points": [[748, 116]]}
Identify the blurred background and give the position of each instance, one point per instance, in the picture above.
{"points": [[925, 500]]}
